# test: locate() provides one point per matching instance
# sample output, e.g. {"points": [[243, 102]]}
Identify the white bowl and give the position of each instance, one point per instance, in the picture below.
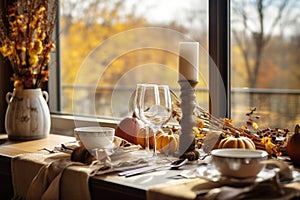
{"points": [[238, 163], [95, 137]]}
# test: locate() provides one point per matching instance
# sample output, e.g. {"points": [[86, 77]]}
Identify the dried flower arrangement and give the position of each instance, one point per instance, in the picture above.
{"points": [[26, 40]]}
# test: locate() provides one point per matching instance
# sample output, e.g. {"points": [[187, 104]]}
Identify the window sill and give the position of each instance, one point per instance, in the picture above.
{"points": [[65, 124]]}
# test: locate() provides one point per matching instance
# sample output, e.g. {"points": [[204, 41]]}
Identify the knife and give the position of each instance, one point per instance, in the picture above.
{"points": [[140, 170], [174, 164]]}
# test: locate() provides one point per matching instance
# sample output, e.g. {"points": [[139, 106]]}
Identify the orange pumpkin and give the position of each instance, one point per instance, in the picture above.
{"points": [[167, 142], [237, 142], [133, 130], [129, 128]]}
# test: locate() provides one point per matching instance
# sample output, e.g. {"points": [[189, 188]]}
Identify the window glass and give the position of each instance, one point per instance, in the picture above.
{"points": [[108, 46], [265, 41]]}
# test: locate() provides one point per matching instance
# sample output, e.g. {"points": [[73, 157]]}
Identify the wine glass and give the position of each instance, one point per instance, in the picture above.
{"points": [[154, 107], [137, 108]]}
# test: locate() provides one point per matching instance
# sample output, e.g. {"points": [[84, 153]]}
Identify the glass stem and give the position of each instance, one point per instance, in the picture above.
{"points": [[154, 129], [147, 138]]}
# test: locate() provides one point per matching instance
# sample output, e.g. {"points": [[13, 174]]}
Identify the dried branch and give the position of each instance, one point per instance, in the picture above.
{"points": [[25, 39]]}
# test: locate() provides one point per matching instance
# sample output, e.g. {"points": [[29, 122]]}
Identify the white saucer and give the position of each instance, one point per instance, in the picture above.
{"points": [[210, 173]]}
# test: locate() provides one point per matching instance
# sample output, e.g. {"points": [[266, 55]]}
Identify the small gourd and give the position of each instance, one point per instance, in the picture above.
{"points": [[293, 146], [167, 142], [238, 141]]}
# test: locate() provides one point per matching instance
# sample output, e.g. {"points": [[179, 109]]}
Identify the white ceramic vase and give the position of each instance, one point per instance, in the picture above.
{"points": [[27, 115]]}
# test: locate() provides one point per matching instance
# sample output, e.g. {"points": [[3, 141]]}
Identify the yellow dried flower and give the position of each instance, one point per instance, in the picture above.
{"points": [[41, 10], [47, 58], [38, 46], [20, 47], [24, 28], [255, 125], [199, 122], [52, 46], [19, 22], [18, 84], [45, 75], [20, 17], [5, 51], [33, 22], [33, 60], [42, 35], [31, 45]]}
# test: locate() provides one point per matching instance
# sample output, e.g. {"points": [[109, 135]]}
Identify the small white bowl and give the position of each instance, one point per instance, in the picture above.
{"points": [[238, 163], [95, 137]]}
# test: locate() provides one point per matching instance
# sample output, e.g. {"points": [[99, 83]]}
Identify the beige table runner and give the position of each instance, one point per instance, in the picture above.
{"points": [[49, 176], [55, 176]]}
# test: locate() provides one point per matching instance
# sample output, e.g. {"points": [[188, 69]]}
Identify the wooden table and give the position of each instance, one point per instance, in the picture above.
{"points": [[108, 186]]}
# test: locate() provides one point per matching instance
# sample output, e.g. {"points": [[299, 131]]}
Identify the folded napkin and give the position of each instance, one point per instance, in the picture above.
{"points": [[184, 189], [270, 189], [203, 188]]}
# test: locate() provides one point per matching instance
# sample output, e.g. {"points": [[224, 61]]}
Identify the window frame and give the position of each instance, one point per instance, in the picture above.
{"points": [[55, 89], [219, 51]]}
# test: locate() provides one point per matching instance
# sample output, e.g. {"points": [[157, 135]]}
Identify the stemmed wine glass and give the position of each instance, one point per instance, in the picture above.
{"points": [[153, 106], [137, 108]]}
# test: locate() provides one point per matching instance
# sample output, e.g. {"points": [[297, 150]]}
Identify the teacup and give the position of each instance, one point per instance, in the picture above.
{"points": [[95, 137], [239, 163]]}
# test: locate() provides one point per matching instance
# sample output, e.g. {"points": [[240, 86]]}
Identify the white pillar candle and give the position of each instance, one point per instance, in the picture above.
{"points": [[188, 61]]}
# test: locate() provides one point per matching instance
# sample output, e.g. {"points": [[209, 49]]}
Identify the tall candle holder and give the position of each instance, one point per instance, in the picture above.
{"points": [[187, 137]]}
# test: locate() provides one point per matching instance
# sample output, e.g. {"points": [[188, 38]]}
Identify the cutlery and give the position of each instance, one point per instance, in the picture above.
{"points": [[173, 165], [49, 150]]}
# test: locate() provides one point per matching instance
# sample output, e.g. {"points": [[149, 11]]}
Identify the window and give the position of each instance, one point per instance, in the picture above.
{"points": [[265, 61], [106, 47]]}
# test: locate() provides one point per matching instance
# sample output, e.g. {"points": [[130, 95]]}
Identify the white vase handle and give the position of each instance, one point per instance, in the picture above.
{"points": [[45, 95], [8, 97]]}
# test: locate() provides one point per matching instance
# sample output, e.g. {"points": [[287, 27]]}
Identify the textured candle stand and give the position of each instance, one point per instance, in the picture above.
{"points": [[187, 136]]}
